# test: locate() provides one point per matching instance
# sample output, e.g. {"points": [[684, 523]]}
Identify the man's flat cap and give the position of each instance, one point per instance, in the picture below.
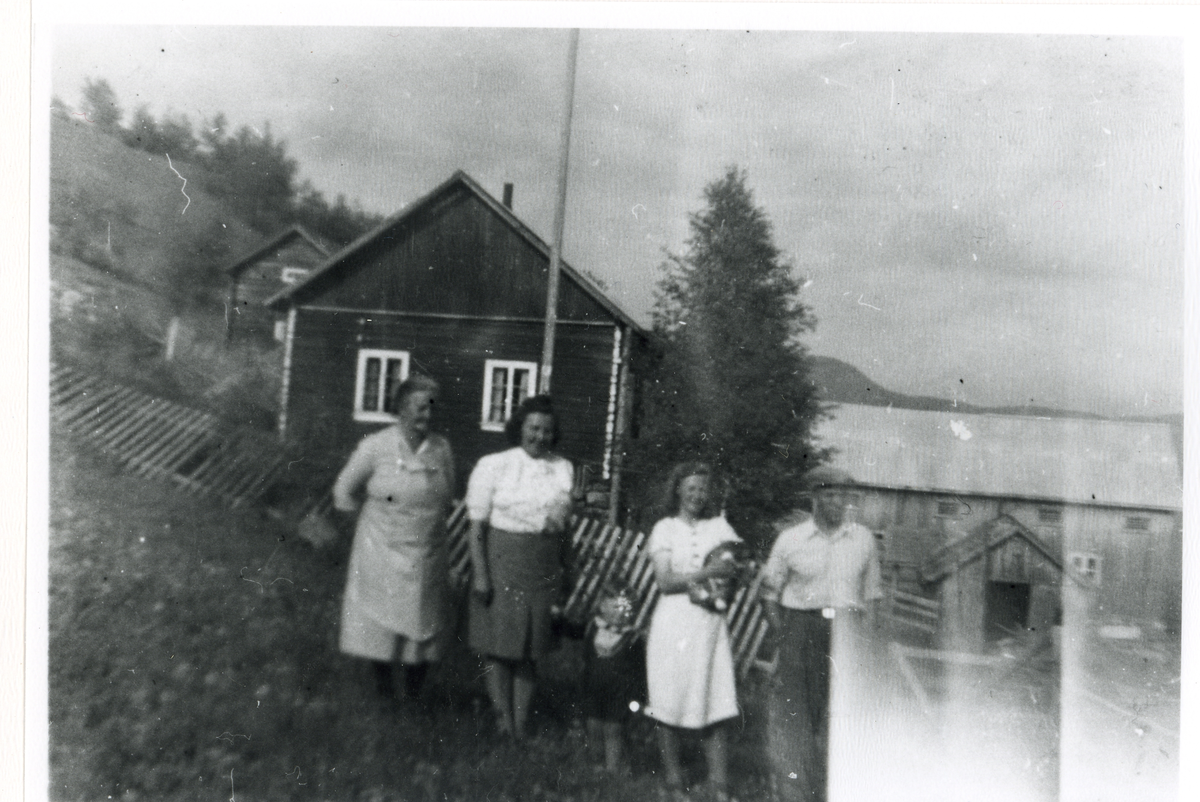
{"points": [[826, 476]]}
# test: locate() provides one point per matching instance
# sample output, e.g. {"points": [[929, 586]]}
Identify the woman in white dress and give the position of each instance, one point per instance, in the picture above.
{"points": [[689, 661], [399, 480]]}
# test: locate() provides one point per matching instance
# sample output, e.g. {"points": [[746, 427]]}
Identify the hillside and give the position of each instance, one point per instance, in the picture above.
{"points": [[125, 245], [129, 208]]}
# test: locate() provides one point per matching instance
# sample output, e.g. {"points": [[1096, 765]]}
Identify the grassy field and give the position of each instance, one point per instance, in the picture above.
{"points": [[193, 656]]}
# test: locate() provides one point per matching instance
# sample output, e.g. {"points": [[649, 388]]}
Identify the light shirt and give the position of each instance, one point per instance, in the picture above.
{"points": [[688, 544], [515, 492], [810, 570]]}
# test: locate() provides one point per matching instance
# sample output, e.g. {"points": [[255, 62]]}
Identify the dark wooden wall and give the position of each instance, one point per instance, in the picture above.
{"points": [[259, 281], [454, 351], [458, 256]]}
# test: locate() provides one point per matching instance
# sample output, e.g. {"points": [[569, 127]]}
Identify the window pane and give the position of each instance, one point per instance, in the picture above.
{"points": [[1049, 515], [393, 379], [370, 397], [521, 385], [496, 410]]}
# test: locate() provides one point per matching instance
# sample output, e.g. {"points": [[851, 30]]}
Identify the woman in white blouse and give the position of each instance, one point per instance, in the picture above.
{"points": [[519, 503], [689, 661]]}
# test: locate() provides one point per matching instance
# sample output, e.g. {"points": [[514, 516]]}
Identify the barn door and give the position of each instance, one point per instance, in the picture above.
{"points": [[1008, 589]]}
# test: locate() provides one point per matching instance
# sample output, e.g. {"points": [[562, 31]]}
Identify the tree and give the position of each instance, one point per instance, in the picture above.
{"points": [[340, 223], [100, 104], [168, 135], [731, 383], [250, 171]]}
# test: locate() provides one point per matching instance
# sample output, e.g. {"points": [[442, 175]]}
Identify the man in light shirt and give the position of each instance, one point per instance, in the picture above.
{"points": [[822, 573]]}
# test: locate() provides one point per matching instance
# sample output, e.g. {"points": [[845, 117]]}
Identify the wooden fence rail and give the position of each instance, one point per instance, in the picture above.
{"points": [[155, 438]]}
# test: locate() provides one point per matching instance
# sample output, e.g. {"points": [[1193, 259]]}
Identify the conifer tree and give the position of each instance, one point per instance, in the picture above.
{"points": [[731, 384], [100, 105]]}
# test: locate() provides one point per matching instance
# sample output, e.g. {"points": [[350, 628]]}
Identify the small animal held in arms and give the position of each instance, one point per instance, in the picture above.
{"points": [[716, 593]]}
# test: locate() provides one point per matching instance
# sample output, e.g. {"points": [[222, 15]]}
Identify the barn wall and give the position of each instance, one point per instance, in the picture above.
{"points": [[1140, 579], [459, 256], [1141, 575], [454, 351]]}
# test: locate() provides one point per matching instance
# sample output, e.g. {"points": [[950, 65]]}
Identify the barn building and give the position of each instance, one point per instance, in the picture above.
{"points": [[988, 513], [284, 260], [454, 286]]}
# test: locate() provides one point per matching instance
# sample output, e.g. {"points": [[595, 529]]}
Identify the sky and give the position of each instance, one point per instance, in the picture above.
{"points": [[995, 218]]}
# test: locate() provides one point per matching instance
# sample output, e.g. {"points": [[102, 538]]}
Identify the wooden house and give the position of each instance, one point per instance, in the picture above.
{"points": [[454, 286], [281, 262], [988, 513]]}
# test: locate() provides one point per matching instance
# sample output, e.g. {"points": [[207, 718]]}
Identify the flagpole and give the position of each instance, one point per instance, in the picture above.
{"points": [[547, 365]]}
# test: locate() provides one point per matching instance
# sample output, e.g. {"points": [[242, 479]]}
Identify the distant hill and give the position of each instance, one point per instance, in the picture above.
{"points": [[842, 383]]}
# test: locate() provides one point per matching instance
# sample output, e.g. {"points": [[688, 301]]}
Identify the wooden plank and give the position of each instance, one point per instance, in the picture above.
{"points": [[142, 452], [139, 422], [86, 405], [749, 655], [136, 413], [73, 387], [240, 458], [259, 480], [107, 415], [181, 434], [162, 419]]}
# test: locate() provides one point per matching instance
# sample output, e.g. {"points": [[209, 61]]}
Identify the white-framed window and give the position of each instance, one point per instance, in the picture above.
{"points": [[379, 371], [293, 275], [505, 385]]}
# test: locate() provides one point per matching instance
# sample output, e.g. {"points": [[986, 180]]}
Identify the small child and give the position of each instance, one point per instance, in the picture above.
{"points": [[614, 670]]}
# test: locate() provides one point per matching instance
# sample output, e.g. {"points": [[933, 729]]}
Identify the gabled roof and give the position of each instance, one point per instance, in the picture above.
{"points": [[276, 242], [953, 556], [297, 291], [1127, 464]]}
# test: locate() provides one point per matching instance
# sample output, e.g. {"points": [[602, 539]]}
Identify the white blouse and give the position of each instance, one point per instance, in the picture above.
{"points": [[516, 492]]}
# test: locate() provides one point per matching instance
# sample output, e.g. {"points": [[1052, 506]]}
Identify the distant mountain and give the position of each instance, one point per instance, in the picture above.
{"points": [[842, 383]]}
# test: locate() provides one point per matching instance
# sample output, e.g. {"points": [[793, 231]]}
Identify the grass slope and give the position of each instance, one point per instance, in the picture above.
{"points": [[134, 202]]}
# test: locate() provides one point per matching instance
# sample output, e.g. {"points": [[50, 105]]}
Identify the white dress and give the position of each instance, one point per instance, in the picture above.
{"points": [[689, 661]]}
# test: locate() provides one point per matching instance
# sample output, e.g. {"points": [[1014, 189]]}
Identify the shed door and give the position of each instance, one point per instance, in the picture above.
{"points": [[1007, 593]]}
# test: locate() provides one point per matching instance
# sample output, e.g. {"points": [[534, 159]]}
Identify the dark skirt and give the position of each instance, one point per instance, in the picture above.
{"points": [[798, 706], [610, 684], [526, 576]]}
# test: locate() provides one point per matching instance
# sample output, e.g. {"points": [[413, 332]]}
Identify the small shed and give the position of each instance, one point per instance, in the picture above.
{"points": [[454, 285], [284, 260], [986, 512]]}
